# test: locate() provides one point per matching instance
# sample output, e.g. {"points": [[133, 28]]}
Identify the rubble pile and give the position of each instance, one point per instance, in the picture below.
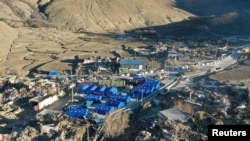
{"points": [[71, 129], [206, 104], [9, 112], [28, 134], [177, 131]]}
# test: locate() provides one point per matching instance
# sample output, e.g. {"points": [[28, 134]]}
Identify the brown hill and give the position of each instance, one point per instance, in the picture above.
{"points": [[111, 15], [8, 34]]}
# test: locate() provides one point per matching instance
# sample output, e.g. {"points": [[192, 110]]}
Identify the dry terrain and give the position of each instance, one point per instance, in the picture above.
{"points": [[236, 75], [46, 34]]}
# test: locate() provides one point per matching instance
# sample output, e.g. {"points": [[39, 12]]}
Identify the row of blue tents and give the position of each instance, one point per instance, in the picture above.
{"points": [[104, 110], [98, 90], [95, 94], [110, 106], [116, 101], [147, 87], [98, 98]]}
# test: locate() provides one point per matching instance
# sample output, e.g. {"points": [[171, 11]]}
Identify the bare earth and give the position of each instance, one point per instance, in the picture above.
{"points": [[237, 74], [28, 39], [32, 31]]}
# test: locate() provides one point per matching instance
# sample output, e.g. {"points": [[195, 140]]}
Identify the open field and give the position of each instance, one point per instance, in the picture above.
{"points": [[35, 47], [238, 74]]}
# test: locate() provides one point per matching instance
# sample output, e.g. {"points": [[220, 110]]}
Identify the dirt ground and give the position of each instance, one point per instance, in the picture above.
{"points": [[241, 73], [39, 32], [34, 48]]}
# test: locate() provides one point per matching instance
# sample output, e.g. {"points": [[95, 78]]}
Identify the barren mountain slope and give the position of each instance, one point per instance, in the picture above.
{"points": [[8, 34], [111, 15]]}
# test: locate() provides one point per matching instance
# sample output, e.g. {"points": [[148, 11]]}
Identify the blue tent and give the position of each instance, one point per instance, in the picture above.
{"points": [[100, 90], [117, 104], [138, 96], [119, 37], [78, 112], [91, 89], [103, 110], [54, 73], [83, 89], [122, 98], [125, 36], [94, 98], [111, 91]]}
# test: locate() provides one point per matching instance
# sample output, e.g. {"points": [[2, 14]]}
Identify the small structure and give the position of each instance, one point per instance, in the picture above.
{"points": [[172, 55], [188, 106], [173, 114], [133, 64], [78, 112], [94, 98], [125, 36], [54, 73], [116, 104], [104, 110]]}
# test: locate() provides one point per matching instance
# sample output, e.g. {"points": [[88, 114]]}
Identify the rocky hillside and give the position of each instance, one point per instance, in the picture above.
{"points": [[111, 15], [119, 15]]}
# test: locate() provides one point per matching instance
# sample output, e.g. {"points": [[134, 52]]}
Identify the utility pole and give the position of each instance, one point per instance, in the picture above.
{"points": [[216, 53], [72, 88], [142, 98], [87, 131]]}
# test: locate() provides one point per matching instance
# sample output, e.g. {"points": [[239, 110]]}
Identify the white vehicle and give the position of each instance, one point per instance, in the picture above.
{"points": [[165, 91], [218, 69]]}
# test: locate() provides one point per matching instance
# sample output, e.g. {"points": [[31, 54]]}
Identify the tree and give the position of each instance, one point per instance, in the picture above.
{"points": [[116, 124]]}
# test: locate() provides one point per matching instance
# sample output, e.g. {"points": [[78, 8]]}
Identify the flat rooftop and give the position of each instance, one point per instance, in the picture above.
{"points": [[174, 114]]}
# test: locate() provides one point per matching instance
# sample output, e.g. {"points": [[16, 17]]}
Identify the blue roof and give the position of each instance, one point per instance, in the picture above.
{"points": [[131, 62], [54, 73]]}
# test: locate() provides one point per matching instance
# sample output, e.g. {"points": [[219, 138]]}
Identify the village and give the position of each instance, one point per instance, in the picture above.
{"points": [[168, 88]]}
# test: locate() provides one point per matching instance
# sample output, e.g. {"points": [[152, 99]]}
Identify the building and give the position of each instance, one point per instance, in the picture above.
{"points": [[172, 55], [173, 114], [132, 65]]}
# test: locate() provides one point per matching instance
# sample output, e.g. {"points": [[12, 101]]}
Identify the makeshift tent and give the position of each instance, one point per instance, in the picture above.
{"points": [[100, 90], [122, 98], [83, 89], [54, 73], [111, 91], [89, 103], [78, 112], [91, 89], [138, 96], [104, 110], [94, 98], [117, 104], [125, 36]]}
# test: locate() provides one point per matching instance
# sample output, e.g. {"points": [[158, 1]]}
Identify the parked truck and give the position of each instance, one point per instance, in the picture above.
{"points": [[245, 50]]}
